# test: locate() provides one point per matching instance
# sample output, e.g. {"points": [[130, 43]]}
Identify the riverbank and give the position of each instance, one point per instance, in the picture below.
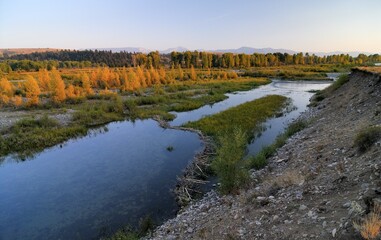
{"points": [[314, 187]]}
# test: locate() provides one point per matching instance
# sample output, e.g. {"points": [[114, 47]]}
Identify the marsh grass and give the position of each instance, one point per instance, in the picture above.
{"points": [[29, 136], [246, 116], [97, 113]]}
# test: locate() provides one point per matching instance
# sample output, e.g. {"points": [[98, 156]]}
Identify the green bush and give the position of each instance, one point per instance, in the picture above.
{"points": [[367, 137], [228, 164]]}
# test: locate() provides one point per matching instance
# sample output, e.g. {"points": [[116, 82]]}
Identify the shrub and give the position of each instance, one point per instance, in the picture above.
{"points": [[367, 137], [228, 164]]}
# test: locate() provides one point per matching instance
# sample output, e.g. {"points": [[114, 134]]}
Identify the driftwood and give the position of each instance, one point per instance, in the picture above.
{"points": [[188, 184]]}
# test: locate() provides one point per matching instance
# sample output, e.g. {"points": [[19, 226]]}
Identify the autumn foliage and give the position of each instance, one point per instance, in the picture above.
{"points": [[58, 87]]}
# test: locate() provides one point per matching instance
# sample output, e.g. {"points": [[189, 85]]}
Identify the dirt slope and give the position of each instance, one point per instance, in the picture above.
{"points": [[314, 188]]}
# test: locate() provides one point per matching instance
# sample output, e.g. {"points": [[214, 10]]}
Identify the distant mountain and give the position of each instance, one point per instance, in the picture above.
{"points": [[176, 49], [250, 50], [352, 54]]}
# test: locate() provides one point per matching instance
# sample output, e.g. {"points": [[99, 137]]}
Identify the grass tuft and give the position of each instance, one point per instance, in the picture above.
{"points": [[367, 137]]}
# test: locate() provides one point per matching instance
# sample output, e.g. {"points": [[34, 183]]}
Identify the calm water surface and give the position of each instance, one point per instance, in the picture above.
{"points": [[97, 184]]}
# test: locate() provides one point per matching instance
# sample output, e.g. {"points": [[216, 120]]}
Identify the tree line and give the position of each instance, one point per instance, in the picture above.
{"points": [[197, 59]]}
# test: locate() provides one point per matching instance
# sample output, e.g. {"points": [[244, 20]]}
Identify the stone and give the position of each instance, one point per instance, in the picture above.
{"points": [[302, 207]]}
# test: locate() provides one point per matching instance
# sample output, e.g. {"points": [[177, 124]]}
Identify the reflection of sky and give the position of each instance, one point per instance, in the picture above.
{"points": [[293, 89], [105, 181]]}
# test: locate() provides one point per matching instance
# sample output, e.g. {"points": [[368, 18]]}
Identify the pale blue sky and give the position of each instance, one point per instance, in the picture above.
{"points": [[300, 25]]}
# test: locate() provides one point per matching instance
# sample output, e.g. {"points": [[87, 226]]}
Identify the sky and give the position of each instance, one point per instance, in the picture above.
{"points": [[299, 25]]}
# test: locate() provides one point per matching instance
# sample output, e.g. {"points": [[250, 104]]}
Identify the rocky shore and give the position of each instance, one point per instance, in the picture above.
{"points": [[315, 187]]}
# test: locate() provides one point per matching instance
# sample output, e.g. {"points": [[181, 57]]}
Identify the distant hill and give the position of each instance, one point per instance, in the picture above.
{"points": [[176, 49], [352, 54], [250, 50], [15, 51]]}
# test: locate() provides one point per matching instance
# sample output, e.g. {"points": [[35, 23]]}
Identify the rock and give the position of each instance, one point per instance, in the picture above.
{"points": [[302, 207], [324, 224], [189, 230], [347, 205], [236, 217], [275, 217], [310, 213], [334, 232]]}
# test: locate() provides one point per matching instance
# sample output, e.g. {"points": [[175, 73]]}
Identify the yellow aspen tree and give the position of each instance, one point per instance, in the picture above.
{"points": [[142, 78], [6, 87], [162, 75], [116, 80], [17, 101], [104, 80], [148, 78], [193, 74], [155, 77], [181, 73], [86, 85], [32, 90], [70, 91], [57, 86], [123, 79], [6, 91], [43, 79], [132, 81], [93, 79]]}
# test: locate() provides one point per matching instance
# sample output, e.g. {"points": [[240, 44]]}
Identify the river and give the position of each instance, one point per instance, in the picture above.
{"points": [[90, 187]]}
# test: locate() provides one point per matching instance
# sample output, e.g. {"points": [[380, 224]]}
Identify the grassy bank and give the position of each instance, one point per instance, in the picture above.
{"points": [[29, 136], [246, 116], [232, 130]]}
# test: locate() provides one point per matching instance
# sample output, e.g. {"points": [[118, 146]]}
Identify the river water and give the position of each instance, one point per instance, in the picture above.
{"points": [[94, 185]]}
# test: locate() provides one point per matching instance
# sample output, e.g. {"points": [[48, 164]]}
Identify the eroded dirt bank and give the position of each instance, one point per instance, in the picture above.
{"points": [[315, 187]]}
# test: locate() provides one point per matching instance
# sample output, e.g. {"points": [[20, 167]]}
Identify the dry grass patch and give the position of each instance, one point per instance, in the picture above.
{"points": [[370, 226]]}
